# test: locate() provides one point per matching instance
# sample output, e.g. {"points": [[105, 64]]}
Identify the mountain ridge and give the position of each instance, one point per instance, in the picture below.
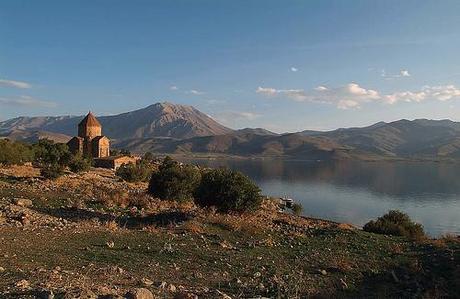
{"points": [[180, 129]]}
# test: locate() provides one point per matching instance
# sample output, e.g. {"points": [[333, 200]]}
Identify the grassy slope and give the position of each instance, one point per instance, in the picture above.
{"points": [[200, 252]]}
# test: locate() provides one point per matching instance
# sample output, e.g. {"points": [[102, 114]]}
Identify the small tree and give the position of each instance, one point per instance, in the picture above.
{"points": [[139, 172], [174, 181], [228, 190], [48, 152], [78, 163], [53, 157], [395, 223], [51, 171], [12, 152]]}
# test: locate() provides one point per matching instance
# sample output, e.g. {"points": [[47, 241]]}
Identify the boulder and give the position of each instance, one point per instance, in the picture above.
{"points": [[23, 202], [139, 293], [80, 294]]}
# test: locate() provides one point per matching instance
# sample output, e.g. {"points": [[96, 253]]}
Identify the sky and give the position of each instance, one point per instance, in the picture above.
{"points": [[281, 65]]}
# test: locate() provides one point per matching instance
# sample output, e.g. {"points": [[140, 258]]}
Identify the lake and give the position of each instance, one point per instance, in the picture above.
{"points": [[356, 192]]}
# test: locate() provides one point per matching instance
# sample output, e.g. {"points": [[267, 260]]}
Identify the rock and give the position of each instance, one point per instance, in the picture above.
{"points": [[147, 282], [23, 284], [323, 272], [185, 296], [80, 294], [23, 202], [139, 293], [172, 288], [2, 269]]}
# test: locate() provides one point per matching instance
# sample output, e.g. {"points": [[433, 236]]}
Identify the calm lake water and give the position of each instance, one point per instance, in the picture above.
{"points": [[356, 192]]}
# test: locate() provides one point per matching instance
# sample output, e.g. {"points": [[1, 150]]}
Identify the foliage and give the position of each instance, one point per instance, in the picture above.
{"points": [[12, 152], [52, 157], [78, 163], [135, 172], [174, 181], [297, 209], [228, 190], [395, 223], [148, 157], [52, 171], [47, 152]]}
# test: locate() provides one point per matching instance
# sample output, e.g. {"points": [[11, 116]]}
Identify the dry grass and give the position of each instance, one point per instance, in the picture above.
{"points": [[247, 223], [443, 241], [111, 225], [194, 227], [20, 171]]}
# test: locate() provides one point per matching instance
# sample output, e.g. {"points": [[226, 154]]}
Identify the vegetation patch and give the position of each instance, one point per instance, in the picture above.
{"points": [[396, 223]]}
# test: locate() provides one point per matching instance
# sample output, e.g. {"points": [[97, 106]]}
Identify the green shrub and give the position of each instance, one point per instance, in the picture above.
{"points": [[12, 152], [228, 190], [52, 171], [139, 172], [395, 223], [52, 157], [47, 152], [174, 181], [79, 164], [297, 209]]}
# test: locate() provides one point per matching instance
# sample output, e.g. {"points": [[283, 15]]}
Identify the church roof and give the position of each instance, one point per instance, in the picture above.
{"points": [[90, 121]]}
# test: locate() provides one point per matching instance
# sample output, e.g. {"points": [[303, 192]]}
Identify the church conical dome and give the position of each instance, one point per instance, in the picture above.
{"points": [[90, 121]]}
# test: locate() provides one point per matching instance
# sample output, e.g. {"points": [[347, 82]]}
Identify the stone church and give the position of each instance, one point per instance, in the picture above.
{"points": [[90, 141]]}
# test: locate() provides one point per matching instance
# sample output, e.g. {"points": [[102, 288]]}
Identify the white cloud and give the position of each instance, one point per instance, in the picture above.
{"points": [[352, 95], [14, 84], [404, 73], [196, 92], [26, 101], [295, 94], [294, 69], [401, 74], [174, 87], [229, 117]]}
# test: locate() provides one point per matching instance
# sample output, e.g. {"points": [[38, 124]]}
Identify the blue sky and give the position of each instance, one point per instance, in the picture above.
{"points": [[282, 65]]}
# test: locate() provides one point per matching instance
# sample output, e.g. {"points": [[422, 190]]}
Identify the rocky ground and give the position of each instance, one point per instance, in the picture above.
{"points": [[94, 236]]}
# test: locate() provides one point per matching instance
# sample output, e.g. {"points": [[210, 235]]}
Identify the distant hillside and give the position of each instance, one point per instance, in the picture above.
{"points": [[157, 120], [240, 144], [35, 136], [419, 138]]}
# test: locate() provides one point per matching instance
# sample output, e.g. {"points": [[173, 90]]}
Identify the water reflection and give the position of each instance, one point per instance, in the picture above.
{"points": [[355, 192]]}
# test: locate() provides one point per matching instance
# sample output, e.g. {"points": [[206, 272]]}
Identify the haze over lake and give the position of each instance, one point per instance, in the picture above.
{"points": [[356, 192]]}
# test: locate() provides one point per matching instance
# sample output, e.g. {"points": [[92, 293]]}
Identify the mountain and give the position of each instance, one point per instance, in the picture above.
{"points": [[171, 128], [420, 138], [403, 139], [35, 136], [157, 120], [243, 144], [256, 131]]}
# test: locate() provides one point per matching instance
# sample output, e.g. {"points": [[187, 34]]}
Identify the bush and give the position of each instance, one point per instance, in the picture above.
{"points": [[297, 209], [395, 223], [139, 172], [228, 190], [78, 163], [12, 152], [174, 181], [47, 152], [52, 171]]}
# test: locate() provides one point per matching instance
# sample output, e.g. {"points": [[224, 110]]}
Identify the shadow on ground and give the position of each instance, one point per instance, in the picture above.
{"points": [[162, 219]]}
